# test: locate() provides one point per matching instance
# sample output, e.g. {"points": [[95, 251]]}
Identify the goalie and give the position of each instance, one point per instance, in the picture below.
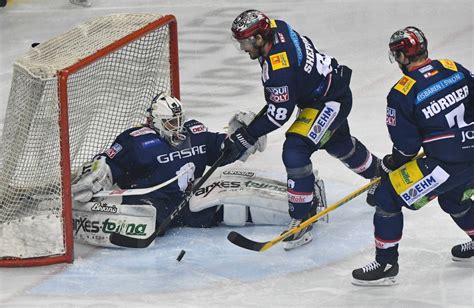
{"points": [[166, 146]]}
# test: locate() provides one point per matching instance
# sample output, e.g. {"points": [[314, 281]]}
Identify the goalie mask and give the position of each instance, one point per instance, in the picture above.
{"points": [[166, 116]]}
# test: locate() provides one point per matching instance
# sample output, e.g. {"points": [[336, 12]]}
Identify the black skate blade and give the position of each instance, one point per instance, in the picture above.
{"points": [[463, 260], [243, 242]]}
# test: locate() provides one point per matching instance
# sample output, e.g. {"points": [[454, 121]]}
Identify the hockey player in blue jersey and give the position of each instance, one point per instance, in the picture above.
{"points": [[296, 75], [148, 155], [151, 154], [430, 107]]}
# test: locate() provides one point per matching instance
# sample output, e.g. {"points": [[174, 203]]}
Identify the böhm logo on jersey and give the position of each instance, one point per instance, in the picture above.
{"points": [[424, 186], [322, 123]]}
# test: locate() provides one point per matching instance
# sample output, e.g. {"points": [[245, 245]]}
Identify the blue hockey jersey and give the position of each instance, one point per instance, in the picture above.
{"points": [[433, 107], [140, 158], [295, 73]]}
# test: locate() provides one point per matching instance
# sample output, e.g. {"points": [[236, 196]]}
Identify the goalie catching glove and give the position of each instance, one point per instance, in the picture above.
{"points": [[239, 144], [95, 176]]}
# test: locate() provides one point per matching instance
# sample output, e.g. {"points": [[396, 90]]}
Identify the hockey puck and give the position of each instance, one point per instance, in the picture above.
{"points": [[181, 255]]}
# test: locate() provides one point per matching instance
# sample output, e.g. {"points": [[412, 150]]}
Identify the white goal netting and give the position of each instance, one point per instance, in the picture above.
{"points": [[128, 66]]}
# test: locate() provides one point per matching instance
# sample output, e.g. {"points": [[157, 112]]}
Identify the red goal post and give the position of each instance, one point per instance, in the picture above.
{"points": [[70, 97]]}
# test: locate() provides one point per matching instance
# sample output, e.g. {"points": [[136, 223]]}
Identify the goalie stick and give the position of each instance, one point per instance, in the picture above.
{"points": [[131, 242], [139, 191], [241, 241]]}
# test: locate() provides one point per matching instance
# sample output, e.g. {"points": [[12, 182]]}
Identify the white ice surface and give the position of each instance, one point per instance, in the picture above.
{"points": [[216, 80]]}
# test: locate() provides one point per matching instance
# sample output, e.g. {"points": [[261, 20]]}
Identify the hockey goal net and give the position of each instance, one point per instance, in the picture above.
{"points": [[70, 97]]}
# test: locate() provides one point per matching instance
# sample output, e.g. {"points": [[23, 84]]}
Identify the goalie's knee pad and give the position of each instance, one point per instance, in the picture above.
{"points": [[235, 215], [239, 215]]}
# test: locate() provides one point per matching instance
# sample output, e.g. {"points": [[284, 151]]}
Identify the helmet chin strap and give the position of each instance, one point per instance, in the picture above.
{"points": [[179, 140], [404, 66]]}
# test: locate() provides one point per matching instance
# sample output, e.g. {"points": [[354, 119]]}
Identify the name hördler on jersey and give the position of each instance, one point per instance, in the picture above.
{"points": [[436, 106]]}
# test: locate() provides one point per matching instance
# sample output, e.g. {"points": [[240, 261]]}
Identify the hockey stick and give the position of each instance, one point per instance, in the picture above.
{"points": [[131, 242], [139, 191], [241, 241]]}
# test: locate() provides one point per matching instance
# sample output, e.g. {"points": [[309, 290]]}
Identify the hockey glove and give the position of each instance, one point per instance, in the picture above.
{"points": [[95, 176], [388, 165], [384, 167], [236, 144], [243, 119]]}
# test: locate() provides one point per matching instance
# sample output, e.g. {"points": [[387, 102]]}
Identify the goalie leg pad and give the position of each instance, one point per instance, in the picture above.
{"points": [[95, 221], [261, 216], [239, 215], [235, 215]]}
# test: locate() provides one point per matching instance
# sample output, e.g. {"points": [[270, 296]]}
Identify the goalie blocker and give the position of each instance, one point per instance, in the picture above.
{"points": [[239, 197]]}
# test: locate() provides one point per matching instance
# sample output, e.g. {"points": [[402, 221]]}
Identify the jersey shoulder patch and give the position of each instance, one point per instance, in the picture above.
{"points": [[195, 127], [448, 64], [142, 131], [113, 150], [405, 84], [273, 23], [279, 60]]}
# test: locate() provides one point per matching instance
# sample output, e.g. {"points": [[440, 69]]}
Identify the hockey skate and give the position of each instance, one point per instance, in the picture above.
{"points": [[375, 274], [305, 236], [298, 239], [463, 252], [302, 237]]}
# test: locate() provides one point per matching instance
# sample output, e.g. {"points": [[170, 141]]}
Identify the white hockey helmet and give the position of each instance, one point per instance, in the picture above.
{"points": [[166, 116]]}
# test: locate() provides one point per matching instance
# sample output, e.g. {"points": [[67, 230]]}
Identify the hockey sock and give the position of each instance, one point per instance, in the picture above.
{"points": [[388, 233], [300, 196], [388, 255], [357, 158]]}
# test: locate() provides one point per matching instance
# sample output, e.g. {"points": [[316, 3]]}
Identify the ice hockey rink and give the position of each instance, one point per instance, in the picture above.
{"points": [[216, 81]]}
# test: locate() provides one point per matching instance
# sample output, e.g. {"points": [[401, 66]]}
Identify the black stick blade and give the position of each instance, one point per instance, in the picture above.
{"points": [[242, 241], [130, 242]]}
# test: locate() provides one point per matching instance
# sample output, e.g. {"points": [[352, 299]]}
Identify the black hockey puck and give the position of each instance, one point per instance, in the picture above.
{"points": [[181, 255]]}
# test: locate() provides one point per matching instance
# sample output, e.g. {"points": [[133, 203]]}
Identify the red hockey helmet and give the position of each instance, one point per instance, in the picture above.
{"points": [[411, 41], [250, 23]]}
